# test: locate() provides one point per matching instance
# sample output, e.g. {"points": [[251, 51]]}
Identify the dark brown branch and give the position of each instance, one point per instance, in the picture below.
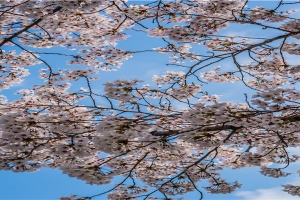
{"points": [[217, 128], [26, 28]]}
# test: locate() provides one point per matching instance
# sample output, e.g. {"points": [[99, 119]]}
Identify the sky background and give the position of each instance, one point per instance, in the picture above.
{"points": [[51, 183]]}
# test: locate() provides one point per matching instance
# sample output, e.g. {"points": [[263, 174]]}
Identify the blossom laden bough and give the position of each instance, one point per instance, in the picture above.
{"points": [[169, 134]]}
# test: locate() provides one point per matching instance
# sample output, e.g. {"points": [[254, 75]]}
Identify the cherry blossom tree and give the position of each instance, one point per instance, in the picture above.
{"points": [[139, 133]]}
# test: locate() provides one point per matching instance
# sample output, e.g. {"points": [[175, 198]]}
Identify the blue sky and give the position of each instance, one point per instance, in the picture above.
{"points": [[51, 183]]}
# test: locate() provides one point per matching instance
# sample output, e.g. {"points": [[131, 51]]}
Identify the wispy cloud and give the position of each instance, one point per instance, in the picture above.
{"points": [[269, 193], [265, 194]]}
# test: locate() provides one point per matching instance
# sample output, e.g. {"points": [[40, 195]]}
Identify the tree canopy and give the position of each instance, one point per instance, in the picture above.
{"points": [[168, 133]]}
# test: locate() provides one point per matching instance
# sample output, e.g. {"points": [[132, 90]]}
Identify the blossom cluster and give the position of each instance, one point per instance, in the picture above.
{"points": [[121, 89], [12, 69], [213, 76], [171, 136]]}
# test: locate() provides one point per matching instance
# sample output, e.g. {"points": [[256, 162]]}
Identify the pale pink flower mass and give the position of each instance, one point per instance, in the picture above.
{"points": [[170, 133]]}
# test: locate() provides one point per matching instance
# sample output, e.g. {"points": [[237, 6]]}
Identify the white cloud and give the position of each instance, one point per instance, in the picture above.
{"points": [[270, 193], [265, 194]]}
